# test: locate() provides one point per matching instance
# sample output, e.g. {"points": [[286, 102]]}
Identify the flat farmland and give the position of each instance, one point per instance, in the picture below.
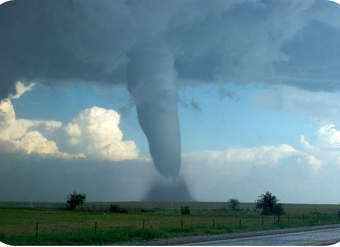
{"points": [[39, 223]]}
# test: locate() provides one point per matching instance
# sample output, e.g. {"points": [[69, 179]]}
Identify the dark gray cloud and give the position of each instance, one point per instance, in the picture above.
{"points": [[153, 47], [265, 41], [25, 178]]}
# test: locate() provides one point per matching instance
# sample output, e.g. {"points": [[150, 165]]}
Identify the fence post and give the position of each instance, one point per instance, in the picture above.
{"points": [[95, 226], [213, 222], [240, 223], [182, 221], [273, 219], [36, 230]]}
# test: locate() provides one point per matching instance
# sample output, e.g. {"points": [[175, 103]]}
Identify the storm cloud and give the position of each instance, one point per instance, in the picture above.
{"points": [[155, 47]]}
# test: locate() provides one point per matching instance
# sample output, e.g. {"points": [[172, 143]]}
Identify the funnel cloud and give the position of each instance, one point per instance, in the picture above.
{"points": [[155, 47], [151, 80]]}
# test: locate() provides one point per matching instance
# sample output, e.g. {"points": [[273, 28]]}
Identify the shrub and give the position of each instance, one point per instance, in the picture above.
{"points": [[278, 210], [117, 209], [124, 210], [233, 204], [185, 210], [75, 199], [114, 208]]}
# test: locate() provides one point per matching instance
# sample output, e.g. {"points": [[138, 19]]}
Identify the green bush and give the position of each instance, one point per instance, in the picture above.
{"points": [[185, 210], [233, 204], [114, 208], [117, 209], [278, 210], [75, 199]]}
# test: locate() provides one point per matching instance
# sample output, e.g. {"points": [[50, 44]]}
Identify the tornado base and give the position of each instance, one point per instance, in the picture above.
{"points": [[168, 191]]}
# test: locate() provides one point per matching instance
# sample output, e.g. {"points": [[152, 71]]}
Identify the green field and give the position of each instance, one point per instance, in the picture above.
{"points": [[50, 224]]}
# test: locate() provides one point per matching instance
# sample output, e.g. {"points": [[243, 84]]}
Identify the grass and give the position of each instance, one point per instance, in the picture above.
{"points": [[85, 238], [95, 225]]}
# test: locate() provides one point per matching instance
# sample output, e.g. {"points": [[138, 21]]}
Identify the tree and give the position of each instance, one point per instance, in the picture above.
{"points": [[233, 204], [75, 199], [185, 210], [278, 211], [267, 202], [114, 208]]}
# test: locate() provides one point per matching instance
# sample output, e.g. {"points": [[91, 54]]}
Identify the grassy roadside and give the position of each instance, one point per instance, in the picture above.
{"points": [[122, 235], [84, 238], [97, 226]]}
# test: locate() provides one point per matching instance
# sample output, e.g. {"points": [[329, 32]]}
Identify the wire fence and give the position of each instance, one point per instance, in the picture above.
{"points": [[232, 223]]}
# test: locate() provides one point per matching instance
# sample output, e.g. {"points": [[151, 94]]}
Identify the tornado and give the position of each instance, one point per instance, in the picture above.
{"points": [[151, 81]]}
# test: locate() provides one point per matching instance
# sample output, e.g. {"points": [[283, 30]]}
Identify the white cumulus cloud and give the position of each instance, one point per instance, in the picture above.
{"points": [[313, 162], [320, 108], [251, 169], [305, 143], [255, 156], [329, 136], [96, 131], [260, 155], [23, 134], [326, 145]]}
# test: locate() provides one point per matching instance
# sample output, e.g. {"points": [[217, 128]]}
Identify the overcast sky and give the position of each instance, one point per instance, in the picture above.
{"points": [[257, 86]]}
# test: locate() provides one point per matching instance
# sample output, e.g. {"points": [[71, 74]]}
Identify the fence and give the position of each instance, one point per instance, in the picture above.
{"points": [[110, 222]]}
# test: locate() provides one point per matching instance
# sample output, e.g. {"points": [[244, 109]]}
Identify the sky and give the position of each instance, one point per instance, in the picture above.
{"points": [[235, 100]]}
